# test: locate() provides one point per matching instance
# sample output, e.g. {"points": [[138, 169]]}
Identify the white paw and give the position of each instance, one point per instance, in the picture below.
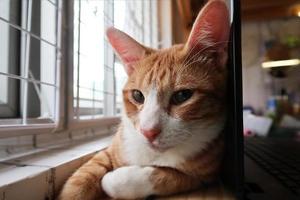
{"points": [[130, 182]]}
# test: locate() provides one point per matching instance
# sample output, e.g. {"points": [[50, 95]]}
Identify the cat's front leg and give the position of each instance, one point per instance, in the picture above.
{"points": [[134, 182], [84, 183], [130, 182]]}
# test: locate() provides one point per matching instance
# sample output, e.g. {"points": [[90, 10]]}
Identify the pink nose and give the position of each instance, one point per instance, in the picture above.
{"points": [[151, 134]]}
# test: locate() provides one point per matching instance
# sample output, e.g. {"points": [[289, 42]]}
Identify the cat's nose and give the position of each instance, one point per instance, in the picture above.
{"points": [[151, 134]]}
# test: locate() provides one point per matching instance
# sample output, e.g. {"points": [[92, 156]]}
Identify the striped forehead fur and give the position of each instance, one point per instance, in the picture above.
{"points": [[165, 67]]}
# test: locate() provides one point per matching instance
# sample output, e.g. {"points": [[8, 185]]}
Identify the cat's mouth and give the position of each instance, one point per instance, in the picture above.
{"points": [[158, 147]]}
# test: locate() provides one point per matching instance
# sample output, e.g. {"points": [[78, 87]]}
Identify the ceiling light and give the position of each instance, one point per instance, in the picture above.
{"points": [[281, 63]]}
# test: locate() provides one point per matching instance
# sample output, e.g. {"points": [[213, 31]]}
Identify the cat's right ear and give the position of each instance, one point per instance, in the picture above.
{"points": [[127, 49]]}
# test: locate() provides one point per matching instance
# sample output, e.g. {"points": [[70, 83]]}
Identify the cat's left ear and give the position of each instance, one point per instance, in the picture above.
{"points": [[211, 31], [127, 49]]}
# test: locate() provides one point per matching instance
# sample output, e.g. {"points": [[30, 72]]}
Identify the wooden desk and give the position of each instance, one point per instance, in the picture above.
{"points": [[215, 193]]}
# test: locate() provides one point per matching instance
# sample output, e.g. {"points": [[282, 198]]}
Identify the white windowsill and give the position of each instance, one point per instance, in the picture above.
{"points": [[40, 176]]}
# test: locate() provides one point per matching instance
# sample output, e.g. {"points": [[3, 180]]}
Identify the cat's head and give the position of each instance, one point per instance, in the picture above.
{"points": [[177, 94]]}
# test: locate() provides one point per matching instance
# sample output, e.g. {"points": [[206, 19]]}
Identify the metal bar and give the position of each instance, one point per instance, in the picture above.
{"points": [[99, 91], [88, 99], [61, 57], [39, 92], [57, 103], [143, 21], [12, 76], [26, 63], [151, 23], [109, 101], [93, 97], [52, 3], [92, 123], [69, 61], [78, 60], [29, 32]]}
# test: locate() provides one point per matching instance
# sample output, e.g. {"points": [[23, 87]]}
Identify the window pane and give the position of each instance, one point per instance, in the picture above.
{"points": [[92, 105], [8, 108], [28, 59], [88, 58], [4, 58], [9, 61], [9, 48], [41, 103], [9, 11], [96, 68], [48, 21], [3, 89], [37, 103], [121, 78]]}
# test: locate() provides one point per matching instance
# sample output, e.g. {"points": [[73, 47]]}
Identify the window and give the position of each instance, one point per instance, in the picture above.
{"points": [[42, 73], [29, 61], [98, 74]]}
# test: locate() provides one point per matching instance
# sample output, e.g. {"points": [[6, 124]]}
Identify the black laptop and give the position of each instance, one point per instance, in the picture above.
{"points": [[255, 168]]}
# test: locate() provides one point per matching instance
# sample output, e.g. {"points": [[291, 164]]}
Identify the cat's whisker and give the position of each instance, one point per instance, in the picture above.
{"points": [[194, 56], [196, 61], [201, 51], [204, 38]]}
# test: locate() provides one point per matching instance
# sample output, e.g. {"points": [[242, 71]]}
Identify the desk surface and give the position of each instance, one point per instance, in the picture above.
{"points": [[214, 193]]}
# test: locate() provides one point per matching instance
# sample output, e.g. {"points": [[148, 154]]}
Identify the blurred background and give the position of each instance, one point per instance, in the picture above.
{"points": [[270, 59], [271, 67]]}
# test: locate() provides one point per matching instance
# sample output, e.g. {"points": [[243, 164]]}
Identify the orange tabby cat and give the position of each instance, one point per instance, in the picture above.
{"points": [[170, 137]]}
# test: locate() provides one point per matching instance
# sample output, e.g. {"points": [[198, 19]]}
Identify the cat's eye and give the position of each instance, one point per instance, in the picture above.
{"points": [[138, 96], [181, 96]]}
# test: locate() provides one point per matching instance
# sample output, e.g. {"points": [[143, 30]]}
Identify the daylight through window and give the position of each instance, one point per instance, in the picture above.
{"points": [[98, 75]]}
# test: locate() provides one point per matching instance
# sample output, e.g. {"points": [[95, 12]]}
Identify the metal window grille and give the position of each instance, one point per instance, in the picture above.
{"points": [[98, 75], [33, 80]]}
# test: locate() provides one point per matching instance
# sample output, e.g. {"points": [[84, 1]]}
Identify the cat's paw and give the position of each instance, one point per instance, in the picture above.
{"points": [[130, 182]]}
